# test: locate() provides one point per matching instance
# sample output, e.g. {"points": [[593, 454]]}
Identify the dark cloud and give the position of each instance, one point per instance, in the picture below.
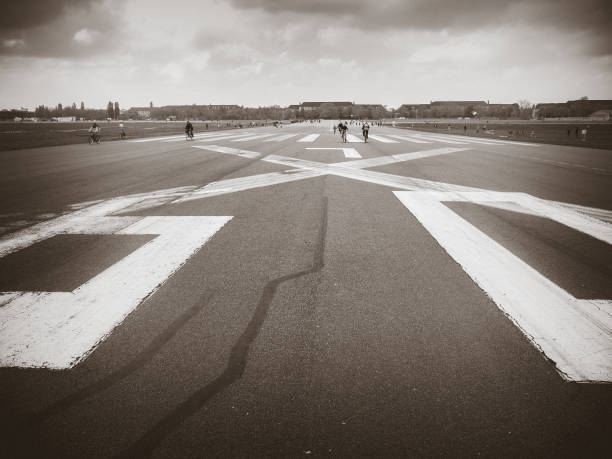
{"points": [[591, 16], [23, 14], [59, 28]]}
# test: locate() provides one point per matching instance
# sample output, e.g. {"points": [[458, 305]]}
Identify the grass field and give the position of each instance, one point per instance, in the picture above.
{"points": [[18, 135], [599, 135]]}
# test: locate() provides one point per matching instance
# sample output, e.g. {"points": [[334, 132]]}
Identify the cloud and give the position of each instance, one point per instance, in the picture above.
{"points": [[63, 29], [590, 16]]}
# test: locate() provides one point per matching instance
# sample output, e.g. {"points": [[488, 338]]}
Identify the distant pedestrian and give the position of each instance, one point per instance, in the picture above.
{"points": [[577, 132], [122, 133], [568, 132], [465, 128], [335, 127]]}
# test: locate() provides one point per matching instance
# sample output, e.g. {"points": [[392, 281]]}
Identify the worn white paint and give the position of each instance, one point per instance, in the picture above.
{"points": [[58, 329], [348, 152], [381, 139], [309, 138], [396, 181], [409, 139], [575, 334], [353, 139], [253, 137], [280, 138], [229, 151]]}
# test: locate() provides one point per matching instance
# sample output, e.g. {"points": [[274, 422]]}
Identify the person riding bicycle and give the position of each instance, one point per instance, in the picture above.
{"points": [[189, 130], [365, 129], [343, 127], [94, 132]]}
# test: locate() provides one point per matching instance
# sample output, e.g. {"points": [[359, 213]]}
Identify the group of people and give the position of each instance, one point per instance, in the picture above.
{"points": [[95, 131], [343, 129]]}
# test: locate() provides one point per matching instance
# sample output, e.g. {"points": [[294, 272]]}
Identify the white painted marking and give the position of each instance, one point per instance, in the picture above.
{"points": [[575, 334], [439, 139], [309, 138], [392, 159], [253, 137], [59, 329], [382, 139], [348, 152], [228, 150], [409, 139], [353, 139], [212, 137], [246, 183], [397, 181], [280, 138]]}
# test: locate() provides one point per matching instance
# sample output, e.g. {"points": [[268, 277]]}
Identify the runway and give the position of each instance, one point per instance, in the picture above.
{"points": [[277, 292]]}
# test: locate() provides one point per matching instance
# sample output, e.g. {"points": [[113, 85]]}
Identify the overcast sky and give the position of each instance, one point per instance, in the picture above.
{"points": [[266, 52]]}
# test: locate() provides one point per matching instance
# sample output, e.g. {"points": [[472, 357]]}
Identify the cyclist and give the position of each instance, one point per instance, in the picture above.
{"points": [[188, 130], [365, 130], [94, 133], [343, 128]]}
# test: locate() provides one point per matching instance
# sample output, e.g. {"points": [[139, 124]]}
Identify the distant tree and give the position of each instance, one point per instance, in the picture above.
{"points": [[117, 111], [584, 98], [151, 104], [60, 110], [42, 112], [82, 106], [525, 108], [110, 111]]}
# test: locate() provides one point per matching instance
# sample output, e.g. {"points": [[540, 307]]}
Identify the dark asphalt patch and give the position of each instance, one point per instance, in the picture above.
{"points": [[577, 262], [64, 262]]}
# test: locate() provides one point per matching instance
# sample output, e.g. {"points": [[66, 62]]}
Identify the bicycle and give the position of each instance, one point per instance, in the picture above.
{"points": [[94, 137]]}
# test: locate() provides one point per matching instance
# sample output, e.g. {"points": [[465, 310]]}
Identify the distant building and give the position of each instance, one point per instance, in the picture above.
{"points": [[601, 115], [64, 119], [310, 106]]}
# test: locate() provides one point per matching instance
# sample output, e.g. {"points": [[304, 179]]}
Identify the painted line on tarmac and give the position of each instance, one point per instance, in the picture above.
{"points": [[382, 139], [280, 138], [59, 329], [309, 138], [253, 137], [392, 159], [229, 151], [353, 139], [348, 152], [409, 139], [575, 334]]}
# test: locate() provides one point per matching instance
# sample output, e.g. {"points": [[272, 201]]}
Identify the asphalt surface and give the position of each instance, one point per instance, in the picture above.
{"points": [[322, 320]]}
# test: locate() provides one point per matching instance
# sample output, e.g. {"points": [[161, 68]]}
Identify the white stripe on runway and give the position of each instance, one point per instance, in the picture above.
{"points": [[208, 137], [228, 150], [575, 334], [309, 138], [348, 152], [408, 139], [254, 137], [353, 139], [280, 138], [58, 329], [392, 159], [382, 139], [439, 139]]}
